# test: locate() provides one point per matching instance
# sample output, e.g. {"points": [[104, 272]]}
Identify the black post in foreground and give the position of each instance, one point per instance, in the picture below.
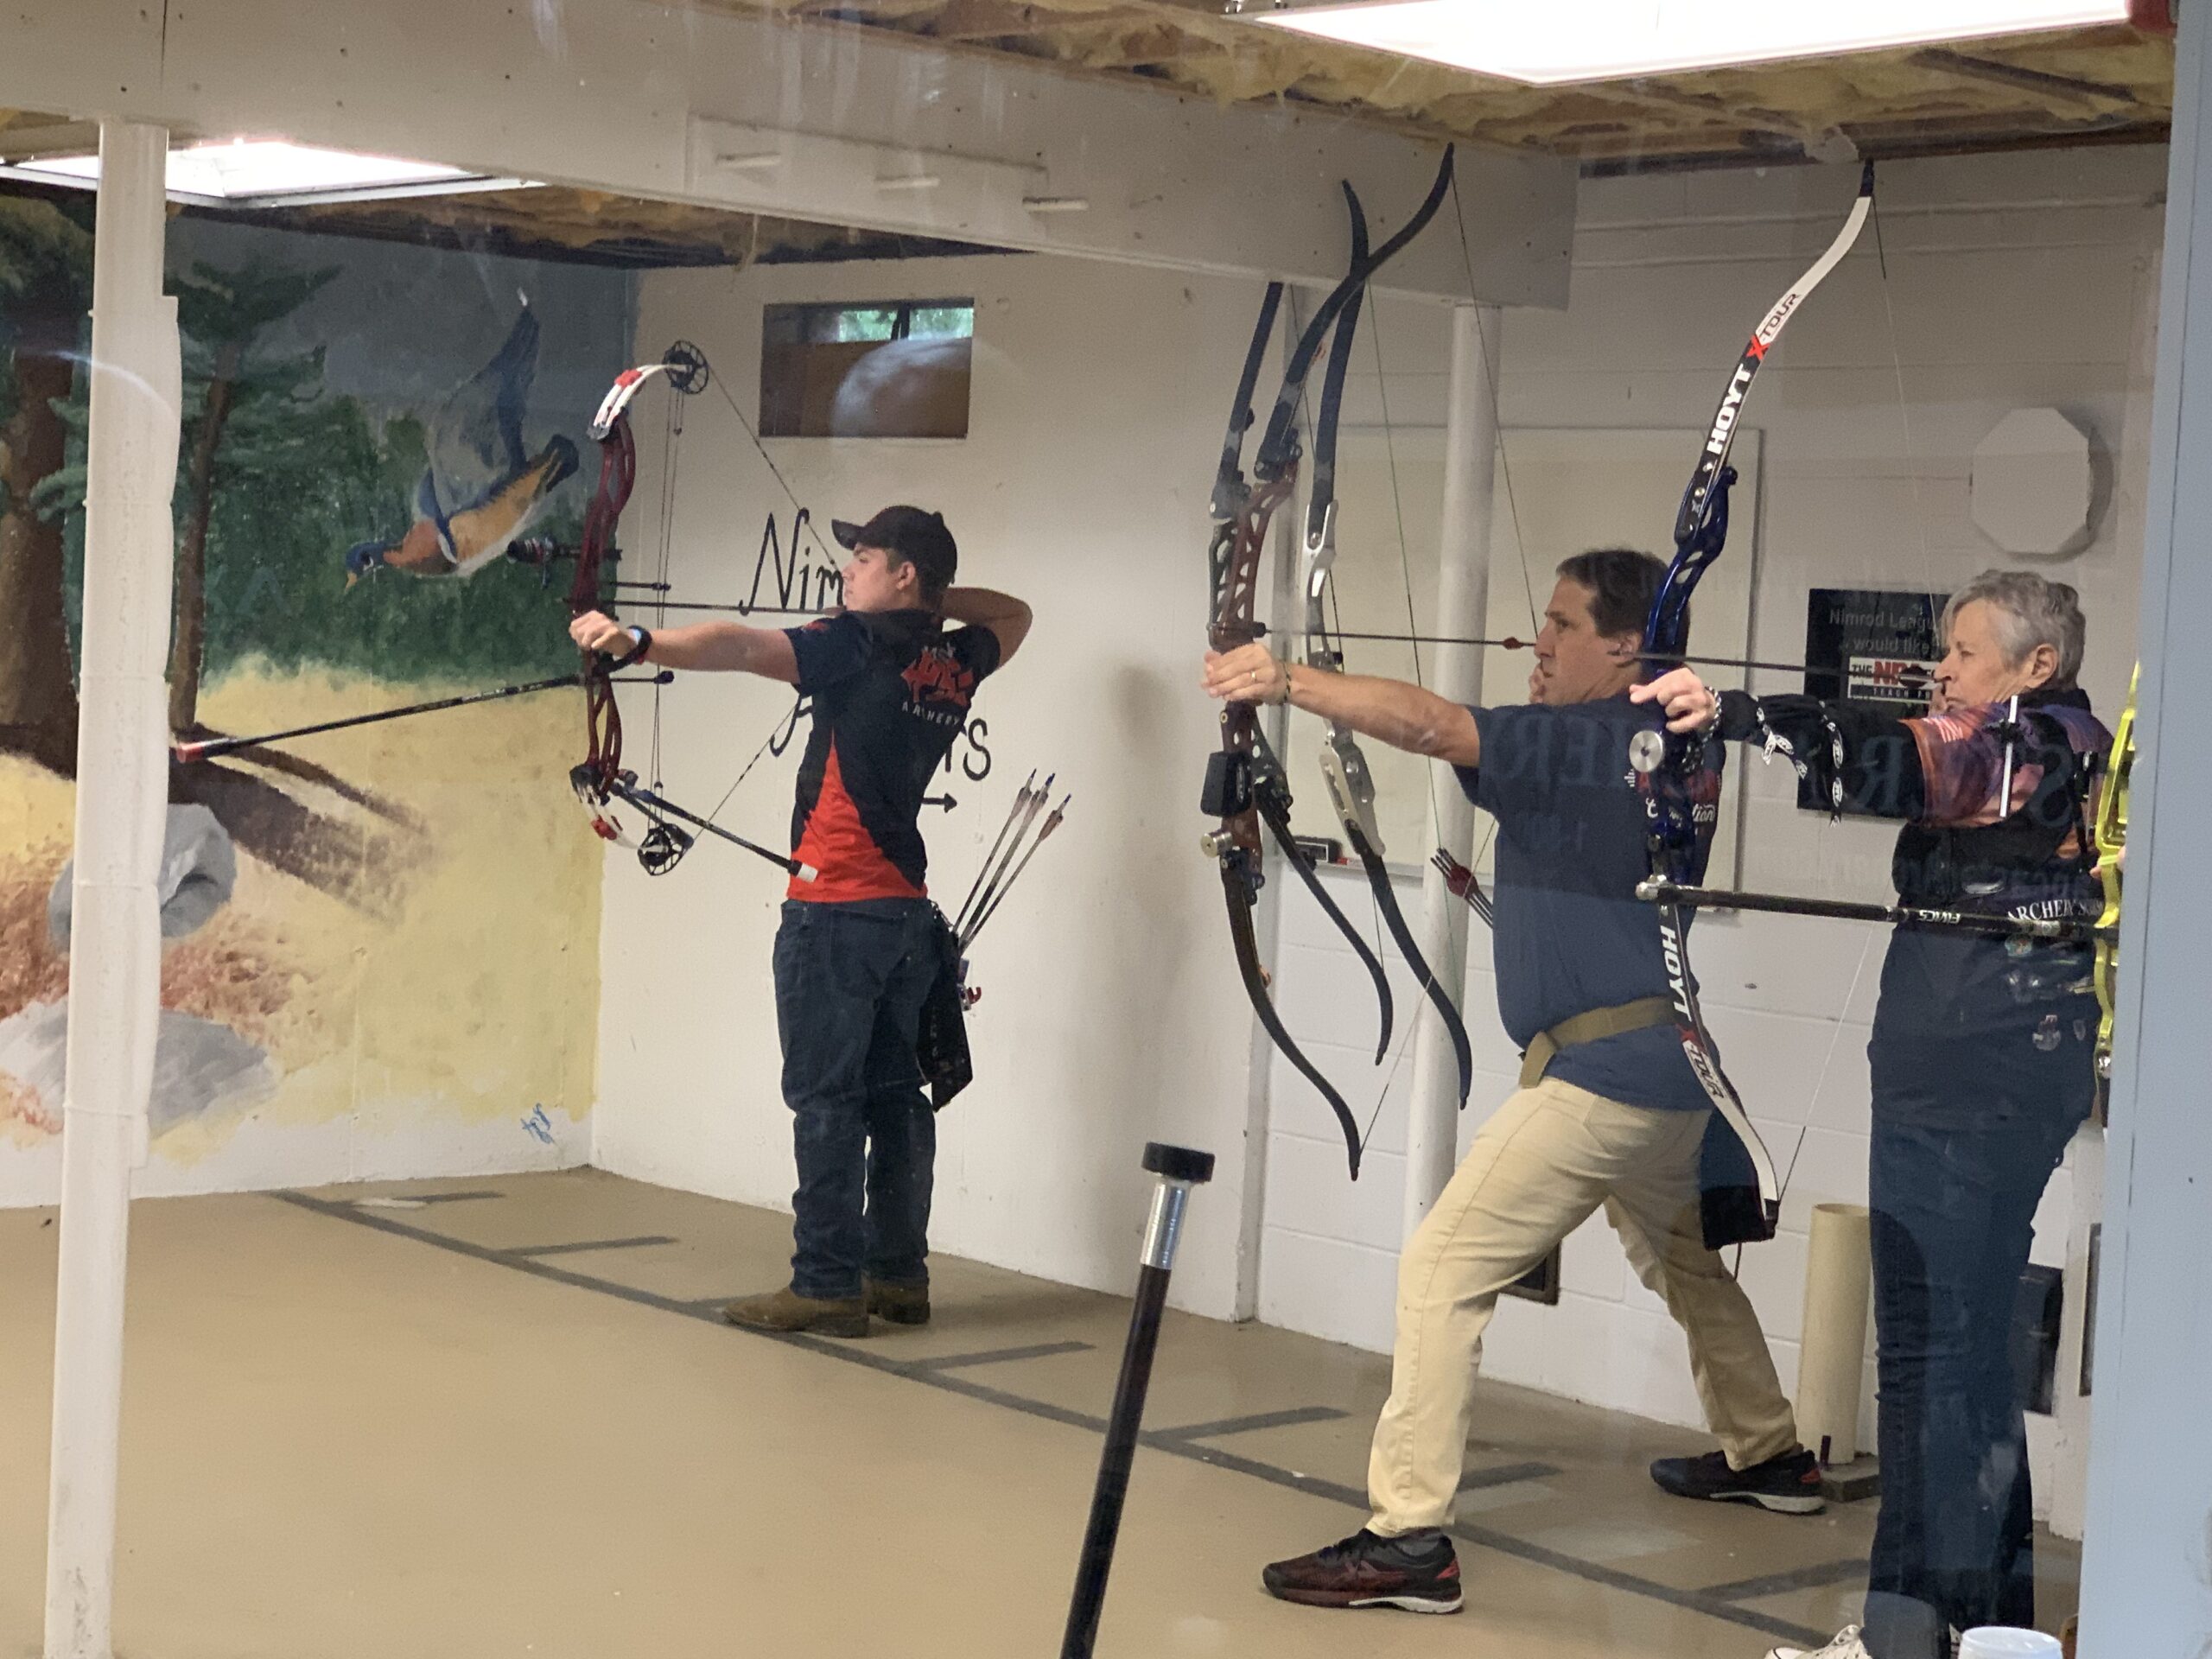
{"points": [[1179, 1169]]}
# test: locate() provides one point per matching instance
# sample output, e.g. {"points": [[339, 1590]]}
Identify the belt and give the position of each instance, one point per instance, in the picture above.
{"points": [[1639, 1016]]}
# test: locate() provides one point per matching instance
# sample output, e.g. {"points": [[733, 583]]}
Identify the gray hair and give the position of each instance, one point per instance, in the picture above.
{"points": [[2030, 611]]}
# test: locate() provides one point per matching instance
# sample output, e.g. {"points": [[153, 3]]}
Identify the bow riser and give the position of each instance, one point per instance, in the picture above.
{"points": [[618, 475], [1239, 543]]}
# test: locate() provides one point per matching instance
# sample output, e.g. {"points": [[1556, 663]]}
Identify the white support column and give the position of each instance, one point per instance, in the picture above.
{"points": [[1462, 609], [2145, 1586], [122, 789]]}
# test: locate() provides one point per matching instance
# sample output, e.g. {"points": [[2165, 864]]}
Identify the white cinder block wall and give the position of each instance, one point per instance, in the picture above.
{"points": [[2010, 282]]}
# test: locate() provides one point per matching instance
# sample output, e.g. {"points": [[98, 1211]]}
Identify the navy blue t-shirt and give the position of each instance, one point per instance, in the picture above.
{"points": [[1569, 934]]}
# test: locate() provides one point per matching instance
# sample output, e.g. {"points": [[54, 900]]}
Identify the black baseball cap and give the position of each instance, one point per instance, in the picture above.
{"points": [[918, 537]]}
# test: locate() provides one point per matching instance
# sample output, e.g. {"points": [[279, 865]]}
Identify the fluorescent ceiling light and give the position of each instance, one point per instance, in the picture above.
{"points": [[1545, 43], [259, 171]]}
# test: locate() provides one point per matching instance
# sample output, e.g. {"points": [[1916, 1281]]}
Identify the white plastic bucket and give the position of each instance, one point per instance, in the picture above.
{"points": [[1991, 1643]]}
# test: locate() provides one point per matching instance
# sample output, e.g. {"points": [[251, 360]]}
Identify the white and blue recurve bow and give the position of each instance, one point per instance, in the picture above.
{"points": [[1672, 765]]}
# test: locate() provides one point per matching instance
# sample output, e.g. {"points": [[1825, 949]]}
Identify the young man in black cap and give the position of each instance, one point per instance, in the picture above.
{"points": [[857, 952]]}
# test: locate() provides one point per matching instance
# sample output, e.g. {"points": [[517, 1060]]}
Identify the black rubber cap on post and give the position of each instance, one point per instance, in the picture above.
{"points": [[1178, 1163]]}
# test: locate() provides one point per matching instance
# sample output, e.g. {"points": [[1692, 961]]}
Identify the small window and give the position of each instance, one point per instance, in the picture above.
{"points": [[873, 369]]}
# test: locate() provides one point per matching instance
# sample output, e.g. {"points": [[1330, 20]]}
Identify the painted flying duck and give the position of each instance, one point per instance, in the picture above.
{"points": [[481, 488]]}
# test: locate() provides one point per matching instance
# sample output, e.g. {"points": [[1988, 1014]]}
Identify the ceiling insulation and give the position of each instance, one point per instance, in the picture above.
{"points": [[2084, 86]]}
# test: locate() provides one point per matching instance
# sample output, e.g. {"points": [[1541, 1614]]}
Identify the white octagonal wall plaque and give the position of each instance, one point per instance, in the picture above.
{"points": [[2034, 484]]}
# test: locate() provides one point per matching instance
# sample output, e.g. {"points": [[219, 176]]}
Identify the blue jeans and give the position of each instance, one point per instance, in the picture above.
{"points": [[1966, 1135], [850, 980]]}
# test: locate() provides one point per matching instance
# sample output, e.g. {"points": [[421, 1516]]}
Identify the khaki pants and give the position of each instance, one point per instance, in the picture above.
{"points": [[1535, 1170]]}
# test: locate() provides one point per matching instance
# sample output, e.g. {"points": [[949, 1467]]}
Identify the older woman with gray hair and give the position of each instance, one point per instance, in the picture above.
{"points": [[1982, 1060]]}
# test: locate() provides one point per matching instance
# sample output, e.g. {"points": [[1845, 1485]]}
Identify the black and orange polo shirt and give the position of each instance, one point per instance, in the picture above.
{"points": [[891, 692]]}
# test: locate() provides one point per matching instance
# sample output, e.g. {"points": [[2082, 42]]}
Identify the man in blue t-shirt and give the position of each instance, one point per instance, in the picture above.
{"points": [[861, 946], [1608, 1112]]}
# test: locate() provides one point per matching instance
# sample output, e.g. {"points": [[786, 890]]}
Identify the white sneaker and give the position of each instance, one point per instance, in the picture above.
{"points": [[1847, 1645]]}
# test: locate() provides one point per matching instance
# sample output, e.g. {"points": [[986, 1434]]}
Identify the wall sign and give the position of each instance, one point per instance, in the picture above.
{"points": [[1867, 646]]}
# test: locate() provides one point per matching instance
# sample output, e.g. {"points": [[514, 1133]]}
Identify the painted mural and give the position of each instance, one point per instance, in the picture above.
{"points": [[380, 942]]}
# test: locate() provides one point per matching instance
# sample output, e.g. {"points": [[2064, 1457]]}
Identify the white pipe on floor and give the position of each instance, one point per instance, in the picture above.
{"points": [[1462, 608], [121, 790], [1832, 1360]]}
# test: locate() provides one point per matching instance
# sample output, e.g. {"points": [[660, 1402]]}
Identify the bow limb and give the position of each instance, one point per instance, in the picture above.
{"points": [[1698, 1049], [1281, 441], [684, 364], [1272, 801], [1228, 486], [2111, 849], [1344, 765], [1378, 879], [1239, 885]]}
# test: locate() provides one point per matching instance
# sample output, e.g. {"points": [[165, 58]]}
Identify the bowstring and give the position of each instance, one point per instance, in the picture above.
{"points": [[1491, 371], [800, 515], [767, 743], [729, 401], [671, 440], [1897, 369], [674, 437]]}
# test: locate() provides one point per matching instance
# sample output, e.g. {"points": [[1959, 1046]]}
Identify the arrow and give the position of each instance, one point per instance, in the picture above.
{"points": [[985, 912], [211, 748], [541, 553], [1509, 643]]}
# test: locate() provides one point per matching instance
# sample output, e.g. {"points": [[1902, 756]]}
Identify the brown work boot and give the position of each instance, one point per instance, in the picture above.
{"points": [[900, 1304], [786, 1310]]}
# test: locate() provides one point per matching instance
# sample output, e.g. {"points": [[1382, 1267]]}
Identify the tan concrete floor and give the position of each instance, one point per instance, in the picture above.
{"points": [[360, 1430]]}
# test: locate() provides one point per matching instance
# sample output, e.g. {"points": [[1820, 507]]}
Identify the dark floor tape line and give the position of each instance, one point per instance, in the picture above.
{"points": [[376, 1200], [1818, 1576], [954, 1382], [1508, 1474], [1214, 1431], [999, 1356], [583, 1244]]}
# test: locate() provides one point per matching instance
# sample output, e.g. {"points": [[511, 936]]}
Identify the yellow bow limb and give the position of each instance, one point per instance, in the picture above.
{"points": [[2111, 829]]}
